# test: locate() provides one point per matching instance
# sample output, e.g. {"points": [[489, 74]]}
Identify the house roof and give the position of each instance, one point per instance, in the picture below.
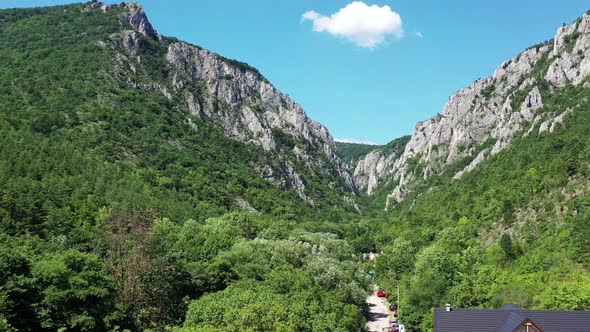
{"points": [[511, 306], [508, 318], [512, 320]]}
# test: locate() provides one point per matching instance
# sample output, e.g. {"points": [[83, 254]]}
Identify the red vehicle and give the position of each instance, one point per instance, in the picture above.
{"points": [[382, 293]]}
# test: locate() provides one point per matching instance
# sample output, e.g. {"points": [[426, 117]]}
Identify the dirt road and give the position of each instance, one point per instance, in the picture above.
{"points": [[378, 314]]}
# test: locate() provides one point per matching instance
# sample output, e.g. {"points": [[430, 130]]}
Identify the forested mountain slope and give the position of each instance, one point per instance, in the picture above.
{"points": [[117, 57], [495, 207], [513, 230], [352, 152], [139, 173], [482, 119]]}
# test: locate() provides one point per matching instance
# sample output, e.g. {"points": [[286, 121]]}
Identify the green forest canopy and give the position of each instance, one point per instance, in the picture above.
{"points": [[115, 215]]}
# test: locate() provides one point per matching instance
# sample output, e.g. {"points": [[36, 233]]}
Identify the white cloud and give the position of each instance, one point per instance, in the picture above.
{"points": [[354, 141], [366, 26], [419, 34]]}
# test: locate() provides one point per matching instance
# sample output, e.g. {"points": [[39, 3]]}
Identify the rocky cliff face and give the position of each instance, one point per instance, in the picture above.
{"points": [[134, 15], [238, 99], [372, 168], [377, 167], [482, 119], [250, 109]]}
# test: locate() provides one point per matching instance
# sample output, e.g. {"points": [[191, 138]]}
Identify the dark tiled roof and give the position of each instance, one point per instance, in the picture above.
{"points": [[560, 321], [507, 318], [511, 306], [514, 319]]}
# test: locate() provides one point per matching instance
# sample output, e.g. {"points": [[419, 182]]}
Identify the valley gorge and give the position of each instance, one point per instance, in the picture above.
{"points": [[150, 184]]}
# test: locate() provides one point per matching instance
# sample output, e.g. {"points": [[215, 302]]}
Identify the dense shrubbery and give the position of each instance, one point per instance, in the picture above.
{"points": [[308, 282], [115, 214], [512, 230]]}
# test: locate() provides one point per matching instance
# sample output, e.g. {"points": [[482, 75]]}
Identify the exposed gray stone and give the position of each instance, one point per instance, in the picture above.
{"points": [[100, 6], [483, 110], [134, 15], [571, 65], [532, 127], [559, 119], [248, 108], [544, 126], [235, 97], [127, 40], [478, 160], [372, 168], [551, 123]]}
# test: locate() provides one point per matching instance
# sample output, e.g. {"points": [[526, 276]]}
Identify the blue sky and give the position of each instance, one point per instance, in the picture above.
{"points": [[365, 93]]}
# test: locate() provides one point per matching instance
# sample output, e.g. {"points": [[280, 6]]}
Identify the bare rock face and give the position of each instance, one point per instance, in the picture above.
{"points": [[248, 108], [492, 109], [551, 124], [134, 15], [512, 122], [100, 6], [571, 54], [378, 166], [478, 160], [128, 40], [237, 98], [372, 168]]}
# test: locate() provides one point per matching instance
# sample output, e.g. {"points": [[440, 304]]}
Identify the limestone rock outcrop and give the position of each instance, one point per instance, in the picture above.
{"points": [[136, 17], [235, 97], [378, 166], [571, 63], [248, 108], [493, 109]]}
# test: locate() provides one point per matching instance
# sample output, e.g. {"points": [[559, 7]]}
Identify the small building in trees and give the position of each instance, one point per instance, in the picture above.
{"points": [[509, 318]]}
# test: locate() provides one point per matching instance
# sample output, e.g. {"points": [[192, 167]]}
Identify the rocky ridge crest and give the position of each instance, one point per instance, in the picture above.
{"points": [[481, 119], [494, 109]]}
